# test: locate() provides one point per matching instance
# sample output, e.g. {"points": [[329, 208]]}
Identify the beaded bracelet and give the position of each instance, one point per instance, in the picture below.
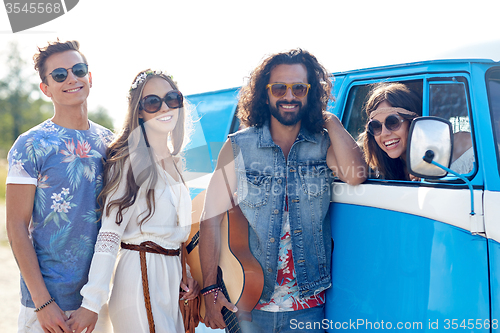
{"points": [[44, 305], [212, 287], [216, 294], [213, 290]]}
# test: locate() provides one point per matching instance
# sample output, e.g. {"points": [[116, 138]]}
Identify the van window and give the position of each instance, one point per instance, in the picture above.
{"points": [[445, 97], [355, 117], [236, 124], [493, 86], [448, 100]]}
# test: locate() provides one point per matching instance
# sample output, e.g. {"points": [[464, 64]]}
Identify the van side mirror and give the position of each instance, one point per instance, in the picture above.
{"points": [[429, 136]]}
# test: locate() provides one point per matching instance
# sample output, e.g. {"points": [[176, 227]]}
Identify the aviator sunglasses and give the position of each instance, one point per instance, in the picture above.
{"points": [[152, 103], [279, 90], [392, 123], [60, 74]]}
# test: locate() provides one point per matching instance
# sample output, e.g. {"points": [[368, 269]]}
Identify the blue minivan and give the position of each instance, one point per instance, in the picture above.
{"points": [[419, 256]]}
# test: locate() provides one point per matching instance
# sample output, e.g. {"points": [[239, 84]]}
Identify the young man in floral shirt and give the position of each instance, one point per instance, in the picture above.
{"points": [[55, 176]]}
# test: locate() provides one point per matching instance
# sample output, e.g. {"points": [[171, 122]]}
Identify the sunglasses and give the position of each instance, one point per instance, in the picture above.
{"points": [[279, 90], [152, 103], [60, 74], [393, 122]]}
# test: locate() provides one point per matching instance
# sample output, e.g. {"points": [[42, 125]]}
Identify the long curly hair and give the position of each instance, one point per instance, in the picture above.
{"points": [[253, 109], [119, 152], [397, 95]]}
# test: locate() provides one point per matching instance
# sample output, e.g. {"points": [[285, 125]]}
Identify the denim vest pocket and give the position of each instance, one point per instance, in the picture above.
{"points": [[253, 188], [314, 178]]}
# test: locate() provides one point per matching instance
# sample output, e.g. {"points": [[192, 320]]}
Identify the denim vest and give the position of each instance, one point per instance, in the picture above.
{"points": [[264, 177]]}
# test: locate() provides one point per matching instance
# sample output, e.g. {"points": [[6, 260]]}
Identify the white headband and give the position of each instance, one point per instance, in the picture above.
{"points": [[391, 110]]}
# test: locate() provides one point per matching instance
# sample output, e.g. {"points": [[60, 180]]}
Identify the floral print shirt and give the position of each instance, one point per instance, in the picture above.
{"points": [[286, 291], [65, 165]]}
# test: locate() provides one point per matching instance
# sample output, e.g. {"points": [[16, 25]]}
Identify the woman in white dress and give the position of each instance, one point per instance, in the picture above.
{"points": [[147, 210]]}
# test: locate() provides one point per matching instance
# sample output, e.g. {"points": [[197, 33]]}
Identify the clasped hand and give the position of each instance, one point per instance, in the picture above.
{"points": [[191, 290], [213, 315]]}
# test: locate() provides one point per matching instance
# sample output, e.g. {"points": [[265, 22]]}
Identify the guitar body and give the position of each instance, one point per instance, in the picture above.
{"points": [[228, 263], [240, 272]]}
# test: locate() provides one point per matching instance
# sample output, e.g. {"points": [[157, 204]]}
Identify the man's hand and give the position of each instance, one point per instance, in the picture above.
{"points": [[82, 319], [213, 316], [52, 319]]}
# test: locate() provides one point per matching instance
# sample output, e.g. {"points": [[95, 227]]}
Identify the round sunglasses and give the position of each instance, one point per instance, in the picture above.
{"points": [[61, 74], [279, 90], [152, 103], [393, 122]]}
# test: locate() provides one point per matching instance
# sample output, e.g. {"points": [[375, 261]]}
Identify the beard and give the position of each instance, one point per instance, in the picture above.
{"points": [[287, 118]]}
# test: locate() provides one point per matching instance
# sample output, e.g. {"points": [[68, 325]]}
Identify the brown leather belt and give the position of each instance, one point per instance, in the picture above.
{"points": [[150, 247]]}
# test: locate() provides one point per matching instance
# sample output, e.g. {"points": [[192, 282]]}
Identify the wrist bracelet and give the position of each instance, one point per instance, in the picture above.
{"points": [[209, 288], [44, 305], [216, 294], [215, 291]]}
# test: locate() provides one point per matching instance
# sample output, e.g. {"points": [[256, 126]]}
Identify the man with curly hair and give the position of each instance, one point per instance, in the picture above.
{"points": [[55, 175], [279, 170]]}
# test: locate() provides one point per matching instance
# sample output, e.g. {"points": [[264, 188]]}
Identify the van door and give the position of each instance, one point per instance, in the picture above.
{"points": [[406, 254], [492, 192]]}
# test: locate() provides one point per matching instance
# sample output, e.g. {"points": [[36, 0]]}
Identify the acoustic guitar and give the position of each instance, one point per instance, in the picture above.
{"points": [[239, 273]]}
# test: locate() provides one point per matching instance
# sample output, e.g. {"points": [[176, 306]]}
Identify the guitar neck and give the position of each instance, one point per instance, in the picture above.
{"points": [[230, 318]]}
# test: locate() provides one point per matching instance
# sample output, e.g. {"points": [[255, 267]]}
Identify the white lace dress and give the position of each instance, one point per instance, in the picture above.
{"points": [[127, 310]]}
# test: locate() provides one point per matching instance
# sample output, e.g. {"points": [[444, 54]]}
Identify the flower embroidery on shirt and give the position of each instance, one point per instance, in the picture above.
{"points": [[44, 141], [81, 161], [56, 197], [61, 203], [102, 139], [17, 163]]}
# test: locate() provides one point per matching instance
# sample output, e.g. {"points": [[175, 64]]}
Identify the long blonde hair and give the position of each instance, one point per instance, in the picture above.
{"points": [[119, 153]]}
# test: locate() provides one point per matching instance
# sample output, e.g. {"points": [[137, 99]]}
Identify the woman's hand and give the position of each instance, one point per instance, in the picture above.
{"points": [[82, 319], [414, 178], [191, 290]]}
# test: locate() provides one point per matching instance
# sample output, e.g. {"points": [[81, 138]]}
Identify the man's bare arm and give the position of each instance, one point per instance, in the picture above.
{"points": [[217, 201], [19, 202], [344, 156]]}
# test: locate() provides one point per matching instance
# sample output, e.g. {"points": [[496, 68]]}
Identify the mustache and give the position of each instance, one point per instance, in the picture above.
{"points": [[299, 103]]}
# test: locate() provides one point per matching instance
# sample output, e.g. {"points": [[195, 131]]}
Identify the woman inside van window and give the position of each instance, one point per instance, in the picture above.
{"points": [[391, 107]]}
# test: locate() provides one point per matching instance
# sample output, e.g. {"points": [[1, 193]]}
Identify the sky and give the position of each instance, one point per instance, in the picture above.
{"points": [[212, 45]]}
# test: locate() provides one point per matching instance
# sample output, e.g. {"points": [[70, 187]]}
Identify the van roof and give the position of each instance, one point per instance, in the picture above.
{"points": [[434, 63], [439, 62]]}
